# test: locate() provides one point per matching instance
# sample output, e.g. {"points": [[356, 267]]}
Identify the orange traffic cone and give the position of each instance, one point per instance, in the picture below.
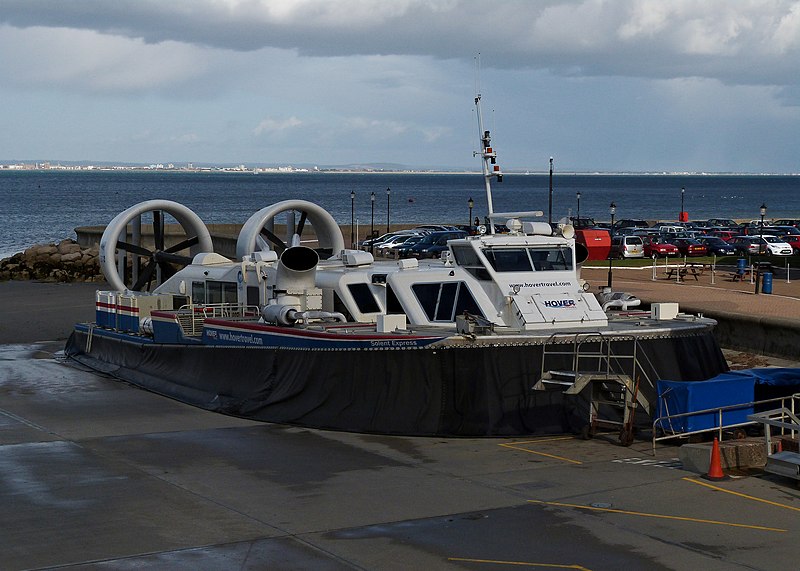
{"points": [[779, 448], [715, 472]]}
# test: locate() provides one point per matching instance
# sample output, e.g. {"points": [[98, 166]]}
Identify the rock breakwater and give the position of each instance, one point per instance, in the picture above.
{"points": [[66, 261]]}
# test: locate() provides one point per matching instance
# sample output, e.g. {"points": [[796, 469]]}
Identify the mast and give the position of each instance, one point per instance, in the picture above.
{"points": [[489, 156]]}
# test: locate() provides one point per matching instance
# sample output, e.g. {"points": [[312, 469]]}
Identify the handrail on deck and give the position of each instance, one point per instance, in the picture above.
{"points": [[604, 357], [719, 412]]}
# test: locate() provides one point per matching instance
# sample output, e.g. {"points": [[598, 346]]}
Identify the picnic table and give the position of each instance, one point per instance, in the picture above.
{"points": [[757, 268], [690, 269]]}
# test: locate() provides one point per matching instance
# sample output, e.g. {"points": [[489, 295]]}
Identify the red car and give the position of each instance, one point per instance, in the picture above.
{"points": [[689, 247], [658, 248], [794, 241]]}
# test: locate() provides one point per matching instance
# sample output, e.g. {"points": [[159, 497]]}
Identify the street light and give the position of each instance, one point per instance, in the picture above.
{"points": [[388, 194], [372, 222], [352, 217], [550, 202], [613, 210], [680, 216], [761, 245], [471, 204], [578, 217]]}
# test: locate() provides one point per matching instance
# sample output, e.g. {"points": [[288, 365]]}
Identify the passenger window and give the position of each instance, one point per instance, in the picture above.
{"points": [[198, 292], [442, 302], [363, 297], [253, 296]]}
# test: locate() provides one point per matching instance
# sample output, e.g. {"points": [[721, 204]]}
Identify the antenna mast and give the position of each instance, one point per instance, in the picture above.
{"points": [[489, 156]]}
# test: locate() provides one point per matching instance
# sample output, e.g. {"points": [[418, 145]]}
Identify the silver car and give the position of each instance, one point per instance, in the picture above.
{"points": [[627, 247]]}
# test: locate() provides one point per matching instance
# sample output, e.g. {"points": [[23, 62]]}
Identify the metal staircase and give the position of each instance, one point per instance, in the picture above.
{"points": [[610, 369]]}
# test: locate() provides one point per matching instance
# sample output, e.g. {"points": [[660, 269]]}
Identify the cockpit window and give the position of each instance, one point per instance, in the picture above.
{"points": [[509, 259], [522, 259], [466, 257]]}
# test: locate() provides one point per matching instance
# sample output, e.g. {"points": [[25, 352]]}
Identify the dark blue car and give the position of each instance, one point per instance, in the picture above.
{"points": [[718, 246], [432, 245]]}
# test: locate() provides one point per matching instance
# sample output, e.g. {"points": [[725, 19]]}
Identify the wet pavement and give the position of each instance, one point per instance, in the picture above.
{"points": [[97, 474]]}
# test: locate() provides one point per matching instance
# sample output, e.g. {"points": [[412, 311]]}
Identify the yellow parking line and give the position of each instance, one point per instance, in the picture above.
{"points": [[660, 516], [521, 563], [514, 447], [741, 495], [544, 439]]}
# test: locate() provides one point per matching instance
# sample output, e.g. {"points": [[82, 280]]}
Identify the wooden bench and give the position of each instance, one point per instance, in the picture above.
{"points": [[695, 270]]}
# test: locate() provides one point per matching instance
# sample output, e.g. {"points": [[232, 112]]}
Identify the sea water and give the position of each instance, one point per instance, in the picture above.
{"points": [[46, 206]]}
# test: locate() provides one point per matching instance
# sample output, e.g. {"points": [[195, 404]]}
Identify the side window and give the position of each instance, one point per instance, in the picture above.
{"points": [[198, 292], [363, 297], [392, 303], [442, 302], [253, 297]]}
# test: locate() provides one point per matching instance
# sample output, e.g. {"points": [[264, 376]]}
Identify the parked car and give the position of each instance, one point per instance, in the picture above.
{"points": [[690, 247], [794, 242], [723, 222], [788, 222], [627, 247], [771, 245], [402, 249], [781, 230], [630, 223], [718, 246], [386, 248], [658, 247], [582, 222], [375, 242], [433, 244], [744, 245], [725, 235], [668, 228]]}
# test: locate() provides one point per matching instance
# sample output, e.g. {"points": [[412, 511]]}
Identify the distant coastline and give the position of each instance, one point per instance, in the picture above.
{"points": [[48, 166]]}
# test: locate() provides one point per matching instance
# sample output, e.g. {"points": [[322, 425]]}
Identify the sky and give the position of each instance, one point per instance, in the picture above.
{"points": [[599, 85]]}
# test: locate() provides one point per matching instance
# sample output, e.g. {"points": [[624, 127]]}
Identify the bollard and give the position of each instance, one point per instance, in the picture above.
{"points": [[766, 282]]}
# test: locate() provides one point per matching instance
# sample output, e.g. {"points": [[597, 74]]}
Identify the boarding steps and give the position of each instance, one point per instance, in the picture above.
{"points": [[784, 463], [613, 396]]}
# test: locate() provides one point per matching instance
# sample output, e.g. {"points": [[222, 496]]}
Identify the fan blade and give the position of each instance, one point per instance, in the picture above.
{"points": [[279, 244], [145, 277], [183, 245], [167, 270], [134, 249], [166, 257], [303, 216], [158, 229]]}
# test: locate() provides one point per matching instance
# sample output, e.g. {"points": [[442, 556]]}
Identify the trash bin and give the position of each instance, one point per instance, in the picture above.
{"points": [[741, 264], [766, 282]]}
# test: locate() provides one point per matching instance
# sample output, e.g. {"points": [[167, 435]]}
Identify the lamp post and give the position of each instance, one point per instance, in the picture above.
{"points": [[352, 217], [372, 222], [471, 204], [761, 247], [578, 217], [613, 210], [680, 216], [550, 202], [388, 195]]}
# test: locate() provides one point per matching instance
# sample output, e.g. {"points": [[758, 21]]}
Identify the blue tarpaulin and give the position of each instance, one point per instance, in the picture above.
{"points": [[730, 388], [678, 397]]}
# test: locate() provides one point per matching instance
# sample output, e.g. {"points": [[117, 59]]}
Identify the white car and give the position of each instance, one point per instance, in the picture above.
{"points": [[767, 244]]}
